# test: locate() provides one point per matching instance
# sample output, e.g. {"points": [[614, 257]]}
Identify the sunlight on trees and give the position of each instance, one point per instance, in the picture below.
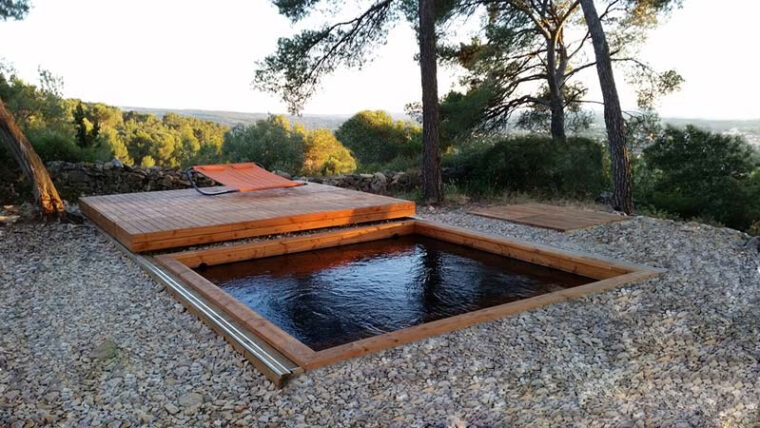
{"points": [[375, 138], [325, 155]]}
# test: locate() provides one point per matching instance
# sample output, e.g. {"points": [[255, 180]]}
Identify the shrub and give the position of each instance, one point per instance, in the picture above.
{"points": [[375, 138], [55, 146], [573, 168], [325, 155], [147, 162], [400, 163], [699, 174], [270, 142]]}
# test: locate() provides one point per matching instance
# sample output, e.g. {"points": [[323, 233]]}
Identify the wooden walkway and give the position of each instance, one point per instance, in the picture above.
{"points": [[177, 218], [553, 217]]}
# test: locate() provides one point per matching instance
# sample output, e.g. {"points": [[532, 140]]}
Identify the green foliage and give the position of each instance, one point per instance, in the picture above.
{"points": [[53, 145], [72, 130], [33, 107], [148, 162], [461, 113], [524, 60], [146, 135], [699, 174], [200, 141], [530, 164], [102, 132], [325, 155], [13, 9], [270, 142], [642, 129], [300, 62], [111, 145], [537, 118], [276, 145], [376, 139], [86, 131]]}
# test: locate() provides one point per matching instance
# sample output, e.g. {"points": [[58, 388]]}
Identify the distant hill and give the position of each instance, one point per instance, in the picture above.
{"points": [[717, 125], [750, 129], [232, 118]]}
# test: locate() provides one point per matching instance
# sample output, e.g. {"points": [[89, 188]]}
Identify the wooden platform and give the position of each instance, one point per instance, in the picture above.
{"points": [[553, 217], [178, 218]]}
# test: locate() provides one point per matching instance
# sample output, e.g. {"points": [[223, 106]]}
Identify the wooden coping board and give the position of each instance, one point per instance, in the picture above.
{"points": [[552, 217], [178, 218], [607, 274]]}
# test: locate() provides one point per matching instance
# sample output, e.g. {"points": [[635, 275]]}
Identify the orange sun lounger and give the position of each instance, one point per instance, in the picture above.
{"points": [[239, 177]]}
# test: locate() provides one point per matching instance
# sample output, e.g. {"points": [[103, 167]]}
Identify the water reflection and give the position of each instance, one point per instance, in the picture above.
{"points": [[333, 296]]}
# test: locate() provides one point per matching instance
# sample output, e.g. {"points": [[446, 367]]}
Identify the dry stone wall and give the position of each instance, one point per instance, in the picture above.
{"points": [[74, 180]]}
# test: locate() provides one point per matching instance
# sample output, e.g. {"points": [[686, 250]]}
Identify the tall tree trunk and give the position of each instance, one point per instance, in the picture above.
{"points": [[432, 187], [556, 103], [31, 164], [558, 113], [613, 115]]}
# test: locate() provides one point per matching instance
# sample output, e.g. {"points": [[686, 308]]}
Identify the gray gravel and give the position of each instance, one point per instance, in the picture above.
{"points": [[87, 339]]}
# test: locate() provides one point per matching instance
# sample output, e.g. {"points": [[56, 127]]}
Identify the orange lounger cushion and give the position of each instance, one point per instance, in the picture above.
{"points": [[245, 177]]}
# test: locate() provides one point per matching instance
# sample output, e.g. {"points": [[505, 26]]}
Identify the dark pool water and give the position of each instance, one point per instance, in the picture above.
{"points": [[329, 297]]}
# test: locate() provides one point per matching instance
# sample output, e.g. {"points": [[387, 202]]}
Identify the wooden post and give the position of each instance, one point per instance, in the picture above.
{"points": [[45, 192]]}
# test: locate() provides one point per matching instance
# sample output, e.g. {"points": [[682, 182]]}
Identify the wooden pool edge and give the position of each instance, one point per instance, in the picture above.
{"points": [[608, 273]]}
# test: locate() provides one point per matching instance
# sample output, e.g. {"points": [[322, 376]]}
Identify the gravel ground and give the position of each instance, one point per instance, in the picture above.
{"points": [[87, 339]]}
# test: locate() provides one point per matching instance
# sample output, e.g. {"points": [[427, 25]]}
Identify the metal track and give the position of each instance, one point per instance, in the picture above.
{"points": [[220, 321], [270, 362]]}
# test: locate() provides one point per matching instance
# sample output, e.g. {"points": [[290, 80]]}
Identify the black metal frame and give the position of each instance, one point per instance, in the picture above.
{"points": [[190, 173]]}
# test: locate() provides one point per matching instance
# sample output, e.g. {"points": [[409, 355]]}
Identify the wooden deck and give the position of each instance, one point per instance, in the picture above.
{"points": [[178, 218], [553, 217]]}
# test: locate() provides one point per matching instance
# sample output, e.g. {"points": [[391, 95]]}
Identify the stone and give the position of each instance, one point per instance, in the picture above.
{"points": [[753, 243], [106, 350], [76, 179], [8, 219], [190, 399], [674, 350], [379, 183], [145, 418], [11, 395]]}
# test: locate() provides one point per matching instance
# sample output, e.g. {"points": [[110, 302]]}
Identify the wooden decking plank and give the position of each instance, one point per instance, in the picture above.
{"points": [[165, 219], [553, 217], [272, 218], [149, 245]]}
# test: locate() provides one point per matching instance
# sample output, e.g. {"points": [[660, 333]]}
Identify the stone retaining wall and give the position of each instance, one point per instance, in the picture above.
{"points": [[82, 179]]}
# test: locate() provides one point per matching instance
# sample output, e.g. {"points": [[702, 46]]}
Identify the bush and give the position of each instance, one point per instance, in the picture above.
{"points": [[55, 146], [375, 138], [699, 174], [270, 142], [325, 155], [573, 168], [401, 163], [148, 162]]}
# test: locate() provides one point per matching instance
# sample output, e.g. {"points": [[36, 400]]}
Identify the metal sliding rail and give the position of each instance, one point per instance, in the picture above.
{"points": [[221, 322], [277, 368]]}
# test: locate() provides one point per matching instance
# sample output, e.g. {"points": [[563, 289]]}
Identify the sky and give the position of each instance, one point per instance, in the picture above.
{"points": [[191, 54]]}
